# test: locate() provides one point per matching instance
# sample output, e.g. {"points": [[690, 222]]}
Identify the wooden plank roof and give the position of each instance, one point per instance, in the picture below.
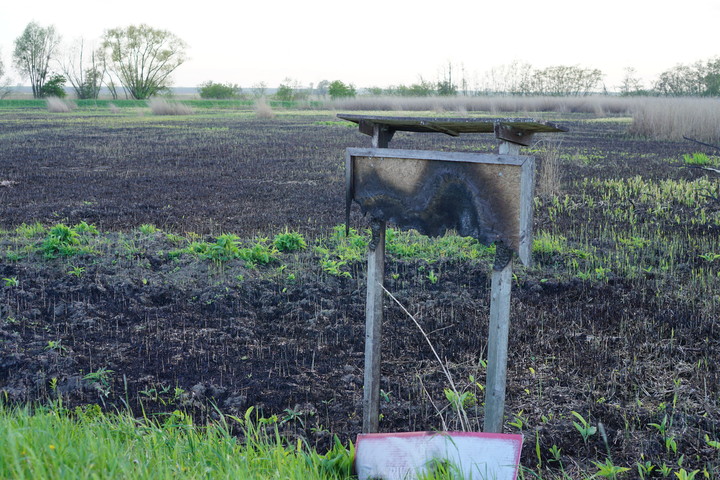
{"points": [[449, 125]]}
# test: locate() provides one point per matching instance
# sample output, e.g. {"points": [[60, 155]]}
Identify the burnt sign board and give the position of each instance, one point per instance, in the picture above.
{"points": [[484, 196]]}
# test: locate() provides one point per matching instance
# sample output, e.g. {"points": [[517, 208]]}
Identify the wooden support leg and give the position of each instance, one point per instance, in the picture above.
{"points": [[373, 327], [498, 339]]}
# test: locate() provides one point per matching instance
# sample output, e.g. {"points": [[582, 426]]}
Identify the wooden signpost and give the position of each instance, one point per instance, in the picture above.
{"points": [[488, 197]]}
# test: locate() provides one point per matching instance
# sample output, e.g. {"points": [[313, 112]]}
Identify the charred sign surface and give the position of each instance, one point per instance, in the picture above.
{"points": [[484, 196]]}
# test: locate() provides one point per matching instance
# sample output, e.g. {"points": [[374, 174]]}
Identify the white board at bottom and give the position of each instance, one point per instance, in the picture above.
{"points": [[404, 456]]}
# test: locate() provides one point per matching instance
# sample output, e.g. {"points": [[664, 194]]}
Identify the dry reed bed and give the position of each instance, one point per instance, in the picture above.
{"points": [[653, 117]]}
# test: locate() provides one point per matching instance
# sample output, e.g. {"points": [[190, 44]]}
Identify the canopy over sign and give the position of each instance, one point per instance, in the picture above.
{"points": [[515, 130], [484, 196]]}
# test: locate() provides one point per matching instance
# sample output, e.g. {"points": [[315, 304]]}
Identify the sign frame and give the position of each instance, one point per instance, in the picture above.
{"points": [[519, 238]]}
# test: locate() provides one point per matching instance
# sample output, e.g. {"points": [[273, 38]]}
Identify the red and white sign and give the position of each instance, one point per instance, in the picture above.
{"points": [[403, 456]]}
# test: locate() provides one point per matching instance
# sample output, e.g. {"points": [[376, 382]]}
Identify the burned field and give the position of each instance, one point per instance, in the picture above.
{"points": [[148, 306]]}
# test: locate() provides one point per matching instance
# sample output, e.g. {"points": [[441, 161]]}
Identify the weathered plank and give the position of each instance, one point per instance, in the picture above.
{"points": [[449, 125]]}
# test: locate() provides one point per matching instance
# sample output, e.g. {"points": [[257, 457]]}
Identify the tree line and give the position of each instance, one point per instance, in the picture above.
{"points": [[139, 61]]}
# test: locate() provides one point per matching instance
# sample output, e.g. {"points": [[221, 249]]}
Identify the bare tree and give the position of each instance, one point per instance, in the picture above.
{"points": [[514, 79], [563, 80], [34, 50], [84, 70], [630, 84], [143, 58], [5, 89]]}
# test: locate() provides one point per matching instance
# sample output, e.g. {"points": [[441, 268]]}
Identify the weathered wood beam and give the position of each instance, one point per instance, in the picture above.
{"points": [[441, 129], [373, 328], [498, 333], [513, 134]]}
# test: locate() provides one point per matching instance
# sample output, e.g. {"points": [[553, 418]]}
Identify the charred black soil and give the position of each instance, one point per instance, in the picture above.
{"points": [[128, 324]]}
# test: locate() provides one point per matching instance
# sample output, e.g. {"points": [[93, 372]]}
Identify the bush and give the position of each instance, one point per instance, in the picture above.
{"points": [[159, 106], [58, 105], [263, 110], [289, 241], [219, 90], [284, 93], [55, 87], [338, 89]]}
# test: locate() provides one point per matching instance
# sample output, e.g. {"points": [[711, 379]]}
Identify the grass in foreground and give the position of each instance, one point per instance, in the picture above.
{"points": [[52, 442]]}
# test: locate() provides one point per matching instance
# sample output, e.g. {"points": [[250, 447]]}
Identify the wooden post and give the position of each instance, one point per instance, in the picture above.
{"points": [[374, 307], [499, 329], [373, 327], [498, 334]]}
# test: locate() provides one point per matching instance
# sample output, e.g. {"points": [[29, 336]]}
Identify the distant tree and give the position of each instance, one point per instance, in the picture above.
{"points": [[143, 58], [290, 90], [445, 86], [375, 91], [681, 80], [711, 77], [322, 88], [631, 84], [284, 92], [563, 80], [421, 89], [5, 89], [219, 90], [34, 50], [512, 79], [54, 87], [84, 70], [259, 89], [338, 89]]}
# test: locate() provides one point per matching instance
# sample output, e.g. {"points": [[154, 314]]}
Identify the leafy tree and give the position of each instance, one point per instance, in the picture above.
{"points": [[290, 90], [681, 80], [338, 89], [446, 87], [219, 90], [284, 93], [84, 74], [34, 50], [143, 58], [421, 89], [711, 78], [54, 87]]}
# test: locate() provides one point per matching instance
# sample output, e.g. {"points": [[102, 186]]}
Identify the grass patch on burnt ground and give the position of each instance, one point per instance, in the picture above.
{"points": [[53, 442]]}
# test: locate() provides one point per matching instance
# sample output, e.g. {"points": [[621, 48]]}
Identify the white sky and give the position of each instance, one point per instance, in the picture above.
{"points": [[372, 43]]}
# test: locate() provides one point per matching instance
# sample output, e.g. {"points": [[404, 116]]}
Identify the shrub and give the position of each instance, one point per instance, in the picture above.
{"points": [[219, 90], [338, 89], [159, 106], [284, 93], [55, 87], [58, 105], [263, 110], [289, 241]]}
